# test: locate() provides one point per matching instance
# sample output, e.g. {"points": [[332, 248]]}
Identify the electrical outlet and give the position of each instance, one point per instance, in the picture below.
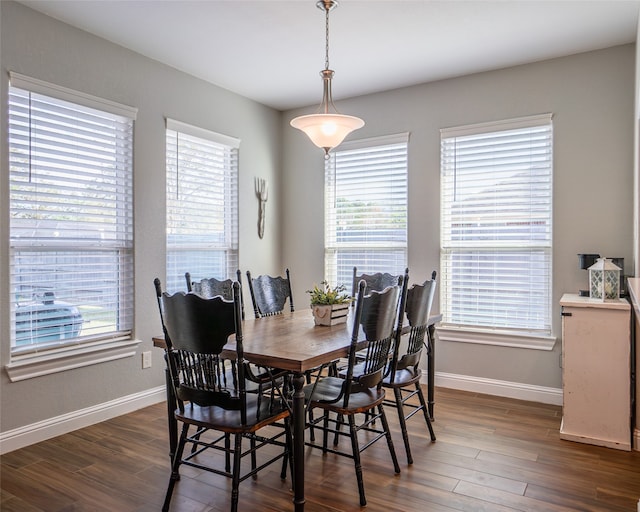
{"points": [[146, 359]]}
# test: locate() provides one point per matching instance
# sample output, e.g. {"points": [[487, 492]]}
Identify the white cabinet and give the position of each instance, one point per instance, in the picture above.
{"points": [[633, 285], [596, 371]]}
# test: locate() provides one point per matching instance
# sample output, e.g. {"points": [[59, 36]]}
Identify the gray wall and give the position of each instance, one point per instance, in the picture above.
{"points": [[38, 46], [636, 164], [591, 95], [592, 98]]}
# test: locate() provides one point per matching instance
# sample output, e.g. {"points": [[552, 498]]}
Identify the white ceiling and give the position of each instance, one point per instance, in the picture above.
{"points": [[272, 51]]}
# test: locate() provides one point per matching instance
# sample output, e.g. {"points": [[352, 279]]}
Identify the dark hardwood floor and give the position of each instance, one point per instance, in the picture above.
{"points": [[492, 454]]}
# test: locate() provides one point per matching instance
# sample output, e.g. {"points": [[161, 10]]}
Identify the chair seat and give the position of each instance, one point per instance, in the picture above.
{"points": [[402, 378], [259, 414], [328, 390]]}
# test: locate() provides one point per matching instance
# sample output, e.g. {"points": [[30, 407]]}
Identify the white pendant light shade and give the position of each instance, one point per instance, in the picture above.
{"points": [[327, 130]]}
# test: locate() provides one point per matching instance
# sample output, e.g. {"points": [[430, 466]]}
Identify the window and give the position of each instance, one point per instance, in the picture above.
{"points": [[496, 227], [202, 204], [71, 218], [366, 208]]}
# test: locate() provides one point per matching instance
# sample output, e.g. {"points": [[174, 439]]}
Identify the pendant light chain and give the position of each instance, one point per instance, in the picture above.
{"points": [[326, 24]]}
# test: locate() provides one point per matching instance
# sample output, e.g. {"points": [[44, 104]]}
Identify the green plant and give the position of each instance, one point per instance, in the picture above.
{"points": [[324, 295]]}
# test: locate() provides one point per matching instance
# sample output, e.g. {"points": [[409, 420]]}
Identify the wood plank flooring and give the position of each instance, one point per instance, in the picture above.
{"points": [[492, 455]]}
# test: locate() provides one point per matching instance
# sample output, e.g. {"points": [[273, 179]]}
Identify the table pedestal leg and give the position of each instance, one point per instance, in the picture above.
{"points": [[298, 442]]}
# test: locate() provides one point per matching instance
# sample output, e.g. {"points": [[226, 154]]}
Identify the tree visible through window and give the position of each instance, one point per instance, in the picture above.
{"points": [[71, 217], [202, 204], [496, 225], [366, 208]]}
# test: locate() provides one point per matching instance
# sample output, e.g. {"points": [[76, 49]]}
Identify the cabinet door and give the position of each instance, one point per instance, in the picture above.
{"points": [[596, 376]]}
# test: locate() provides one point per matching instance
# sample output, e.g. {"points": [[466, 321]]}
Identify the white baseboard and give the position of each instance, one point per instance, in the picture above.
{"points": [[36, 432], [52, 427], [507, 389]]}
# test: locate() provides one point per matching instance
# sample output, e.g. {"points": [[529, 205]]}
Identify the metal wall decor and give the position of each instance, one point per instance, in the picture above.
{"points": [[262, 192]]}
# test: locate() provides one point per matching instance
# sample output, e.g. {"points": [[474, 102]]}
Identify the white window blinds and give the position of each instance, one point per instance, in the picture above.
{"points": [[496, 224], [202, 204], [366, 208], [71, 217]]}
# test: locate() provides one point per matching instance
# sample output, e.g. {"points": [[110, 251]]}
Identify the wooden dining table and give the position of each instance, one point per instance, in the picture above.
{"points": [[290, 341]]}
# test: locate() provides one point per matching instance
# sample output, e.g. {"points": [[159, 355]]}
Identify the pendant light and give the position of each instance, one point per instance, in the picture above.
{"points": [[327, 128]]}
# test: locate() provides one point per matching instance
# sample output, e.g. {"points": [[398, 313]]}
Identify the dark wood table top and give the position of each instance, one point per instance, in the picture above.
{"points": [[290, 341]]}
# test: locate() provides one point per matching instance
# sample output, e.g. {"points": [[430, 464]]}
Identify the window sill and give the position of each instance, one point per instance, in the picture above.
{"points": [[60, 360], [495, 337]]}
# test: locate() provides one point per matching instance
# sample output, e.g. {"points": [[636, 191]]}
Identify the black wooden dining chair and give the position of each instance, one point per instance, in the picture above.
{"points": [[404, 372], [269, 294], [210, 287], [213, 395], [377, 281], [360, 391]]}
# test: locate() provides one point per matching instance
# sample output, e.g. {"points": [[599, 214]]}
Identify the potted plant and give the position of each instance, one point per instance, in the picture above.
{"points": [[330, 305]]}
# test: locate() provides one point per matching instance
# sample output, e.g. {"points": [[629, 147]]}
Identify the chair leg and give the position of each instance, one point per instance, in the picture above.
{"points": [[235, 482], [385, 426], [175, 465], [312, 433], [227, 453], [336, 437], [353, 430], [254, 463], [291, 459], [288, 451], [325, 431], [403, 423], [425, 410], [195, 446]]}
